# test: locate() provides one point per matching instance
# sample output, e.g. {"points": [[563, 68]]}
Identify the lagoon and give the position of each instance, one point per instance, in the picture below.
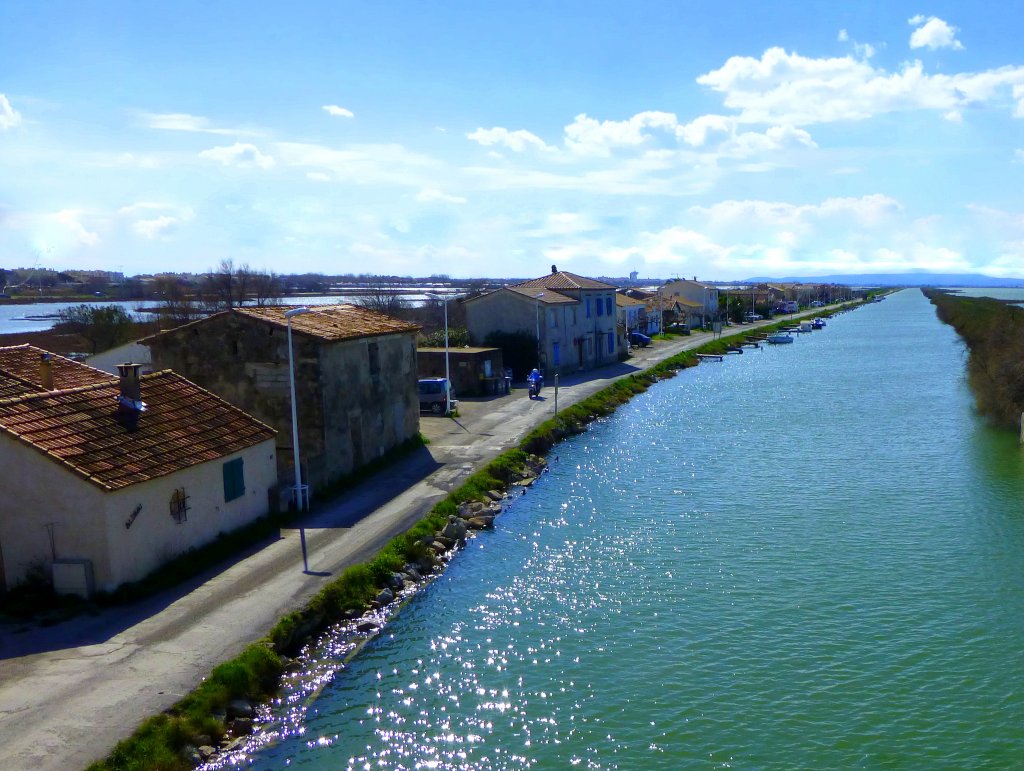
{"points": [[805, 556]]}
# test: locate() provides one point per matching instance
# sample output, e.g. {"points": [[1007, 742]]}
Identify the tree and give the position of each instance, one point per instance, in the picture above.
{"points": [[178, 301], [228, 286], [384, 298], [104, 326]]}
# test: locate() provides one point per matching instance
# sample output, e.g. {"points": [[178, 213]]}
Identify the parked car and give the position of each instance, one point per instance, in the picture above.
{"points": [[432, 395], [639, 339], [753, 317]]}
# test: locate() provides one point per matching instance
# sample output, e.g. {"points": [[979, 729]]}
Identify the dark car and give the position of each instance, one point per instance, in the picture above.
{"points": [[639, 339], [432, 395]]}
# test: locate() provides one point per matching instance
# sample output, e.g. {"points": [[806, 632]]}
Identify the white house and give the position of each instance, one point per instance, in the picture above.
{"points": [[696, 294], [573, 318], [105, 480]]}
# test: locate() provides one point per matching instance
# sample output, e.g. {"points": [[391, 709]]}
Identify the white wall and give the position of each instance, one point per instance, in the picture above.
{"points": [[89, 523]]}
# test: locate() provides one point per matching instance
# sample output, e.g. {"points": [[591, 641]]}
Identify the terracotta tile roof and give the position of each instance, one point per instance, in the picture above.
{"points": [[19, 371], [326, 322], [331, 322], [562, 279], [623, 301], [546, 295], [83, 429]]}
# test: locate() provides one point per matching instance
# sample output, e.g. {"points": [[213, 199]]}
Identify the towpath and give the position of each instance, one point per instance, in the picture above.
{"points": [[70, 692]]}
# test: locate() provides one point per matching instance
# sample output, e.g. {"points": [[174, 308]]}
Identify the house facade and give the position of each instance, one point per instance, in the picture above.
{"points": [[631, 314], [355, 379], [105, 481], [572, 317], [692, 295]]}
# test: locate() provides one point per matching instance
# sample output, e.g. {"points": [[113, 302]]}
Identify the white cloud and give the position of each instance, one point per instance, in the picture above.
{"points": [[587, 136], [239, 154], [338, 112], [71, 220], [933, 33], [318, 176], [867, 210], [430, 195], [181, 121], [1018, 155], [843, 36], [391, 164], [9, 117], [156, 228], [517, 141], [790, 89]]}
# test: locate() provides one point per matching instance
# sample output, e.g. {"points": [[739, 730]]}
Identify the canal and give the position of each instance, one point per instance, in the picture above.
{"points": [[809, 556]]}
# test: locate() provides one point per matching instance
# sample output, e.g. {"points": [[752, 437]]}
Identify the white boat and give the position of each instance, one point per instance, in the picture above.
{"points": [[778, 338]]}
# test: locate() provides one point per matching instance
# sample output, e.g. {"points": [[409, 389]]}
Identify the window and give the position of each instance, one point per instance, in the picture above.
{"points": [[608, 305], [234, 480], [554, 318], [611, 342], [600, 306], [588, 307], [373, 355], [556, 354], [179, 505]]}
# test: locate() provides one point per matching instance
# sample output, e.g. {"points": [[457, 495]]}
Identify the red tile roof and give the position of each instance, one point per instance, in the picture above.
{"points": [[84, 430], [19, 371], [546, 295], [562, 279], [326, 322]]}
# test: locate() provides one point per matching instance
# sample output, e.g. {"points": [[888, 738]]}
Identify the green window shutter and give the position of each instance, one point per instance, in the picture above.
{"points": [[234, 480]]}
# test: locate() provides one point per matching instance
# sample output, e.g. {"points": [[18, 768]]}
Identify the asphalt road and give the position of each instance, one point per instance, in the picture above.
{"points": [[70, 692]]}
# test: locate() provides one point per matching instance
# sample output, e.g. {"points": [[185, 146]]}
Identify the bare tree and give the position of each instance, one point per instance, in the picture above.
{"points": [[267, 287], [386, 297]]}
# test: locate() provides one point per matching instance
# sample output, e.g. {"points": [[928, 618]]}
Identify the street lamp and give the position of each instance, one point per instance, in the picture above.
{"points": [[300, 491], [537, 298], [447, 370]]}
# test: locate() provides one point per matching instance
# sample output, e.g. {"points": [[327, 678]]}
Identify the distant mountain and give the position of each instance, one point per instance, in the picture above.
{"points": [[896, 279]]}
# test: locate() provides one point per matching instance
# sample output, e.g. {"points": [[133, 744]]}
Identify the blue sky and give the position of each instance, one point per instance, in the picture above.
{"points": [[717, 139]]}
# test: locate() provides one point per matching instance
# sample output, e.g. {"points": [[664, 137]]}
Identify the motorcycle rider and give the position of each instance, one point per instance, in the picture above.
{"points": [[535, 381]]}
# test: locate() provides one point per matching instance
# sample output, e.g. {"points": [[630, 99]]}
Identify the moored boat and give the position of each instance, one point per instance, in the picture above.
{"points": [[780, 338]]}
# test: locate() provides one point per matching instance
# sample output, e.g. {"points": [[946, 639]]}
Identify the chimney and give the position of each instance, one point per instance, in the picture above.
{"points": [[46, 371], [554, 268], [131, 389], [694, 278]]}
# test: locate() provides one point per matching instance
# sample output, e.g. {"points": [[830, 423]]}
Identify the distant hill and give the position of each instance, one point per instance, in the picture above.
{"points": [[897, 279]]}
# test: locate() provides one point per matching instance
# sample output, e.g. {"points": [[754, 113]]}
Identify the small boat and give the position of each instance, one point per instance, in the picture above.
{"points": [[818, 323], [779, 338]]}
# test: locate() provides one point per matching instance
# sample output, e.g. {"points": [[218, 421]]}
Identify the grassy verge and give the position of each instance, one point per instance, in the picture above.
{"points": [[162, 742]]}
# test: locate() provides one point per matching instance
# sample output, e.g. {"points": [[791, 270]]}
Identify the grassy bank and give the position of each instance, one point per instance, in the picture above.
{"points": [[994, 334], [164, 741]]}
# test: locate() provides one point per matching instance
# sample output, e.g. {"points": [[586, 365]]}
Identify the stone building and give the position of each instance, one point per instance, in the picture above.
{"points": [[572, 317], [104, 478], [355, 377]]}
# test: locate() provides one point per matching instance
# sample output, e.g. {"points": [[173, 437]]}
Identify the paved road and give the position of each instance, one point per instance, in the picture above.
{"points": [[68, 693]]}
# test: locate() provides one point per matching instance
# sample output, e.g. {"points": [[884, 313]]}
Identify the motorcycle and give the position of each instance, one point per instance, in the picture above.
{"points": [[535, 385]]}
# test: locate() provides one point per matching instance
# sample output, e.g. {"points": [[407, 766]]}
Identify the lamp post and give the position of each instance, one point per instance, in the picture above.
{"points": [[299, 491], [537, 298], [447, 370]]}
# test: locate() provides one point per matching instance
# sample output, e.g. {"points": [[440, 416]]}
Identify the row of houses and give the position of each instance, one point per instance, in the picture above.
{"points": [[106, 477], [108, 474]]}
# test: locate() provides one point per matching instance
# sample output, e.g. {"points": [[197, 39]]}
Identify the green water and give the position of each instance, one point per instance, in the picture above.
{"points": [[810, 556]]}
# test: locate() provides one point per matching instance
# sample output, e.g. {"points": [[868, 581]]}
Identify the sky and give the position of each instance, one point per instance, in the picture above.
{"points": [[714, 139]]}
